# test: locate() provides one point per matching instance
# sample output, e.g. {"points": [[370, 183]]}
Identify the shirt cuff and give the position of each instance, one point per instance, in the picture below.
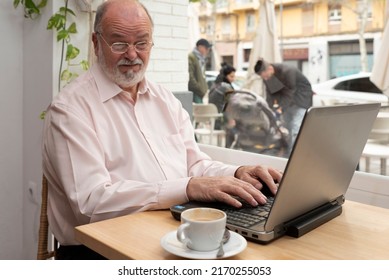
{"points": [[173, 192]]}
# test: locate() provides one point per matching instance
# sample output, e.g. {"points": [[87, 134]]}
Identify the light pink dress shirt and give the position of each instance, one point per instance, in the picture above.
{"points": [[105, 156]]}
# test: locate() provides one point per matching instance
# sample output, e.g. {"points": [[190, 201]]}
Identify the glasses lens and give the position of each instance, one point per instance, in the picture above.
{"points": [[142, 46], [119, 47]]}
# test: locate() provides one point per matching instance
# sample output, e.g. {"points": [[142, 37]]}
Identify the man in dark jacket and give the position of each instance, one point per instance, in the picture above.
{"points": [[288, 91], [197, 59]]}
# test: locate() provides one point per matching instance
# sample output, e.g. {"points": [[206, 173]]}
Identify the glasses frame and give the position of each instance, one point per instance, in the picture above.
{"points": [[129, 46]]}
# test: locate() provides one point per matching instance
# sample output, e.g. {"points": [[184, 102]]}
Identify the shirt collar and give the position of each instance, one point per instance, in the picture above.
{"points": [[106, 88]]}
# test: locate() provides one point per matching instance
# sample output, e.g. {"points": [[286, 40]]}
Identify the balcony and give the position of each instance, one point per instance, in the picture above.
{"points": [[240, 5], [288, 2]]}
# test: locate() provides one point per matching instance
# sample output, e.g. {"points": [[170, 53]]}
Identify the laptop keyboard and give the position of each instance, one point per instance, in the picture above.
{"points": [[248, 215]]}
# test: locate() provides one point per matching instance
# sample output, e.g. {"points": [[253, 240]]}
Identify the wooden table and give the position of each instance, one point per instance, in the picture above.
{"points": [[360, 232]]}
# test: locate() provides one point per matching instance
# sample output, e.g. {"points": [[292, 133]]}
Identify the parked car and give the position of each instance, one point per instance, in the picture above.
{"points": [[356, 88]]}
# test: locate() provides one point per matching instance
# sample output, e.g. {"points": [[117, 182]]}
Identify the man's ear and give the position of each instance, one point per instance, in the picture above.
{"points": [[95, 42]]}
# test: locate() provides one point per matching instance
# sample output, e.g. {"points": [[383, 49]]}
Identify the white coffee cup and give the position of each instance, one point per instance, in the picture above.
{"points": [[202, 229]]}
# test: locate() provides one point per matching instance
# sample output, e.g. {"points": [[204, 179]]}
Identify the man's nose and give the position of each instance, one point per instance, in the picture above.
{"points": [[131, 52]]}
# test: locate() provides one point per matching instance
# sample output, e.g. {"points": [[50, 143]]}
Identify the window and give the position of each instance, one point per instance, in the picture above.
{"points": [[229, 59], [362, 6], [226, 26], [334, 13], [209, 29], [246, 55], [250, 22]]}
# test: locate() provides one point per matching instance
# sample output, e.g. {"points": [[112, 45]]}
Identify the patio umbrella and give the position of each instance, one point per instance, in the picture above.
{"points": [[380, 72], [265, 45]]}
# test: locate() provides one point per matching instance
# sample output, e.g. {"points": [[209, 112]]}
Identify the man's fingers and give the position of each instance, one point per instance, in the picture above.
{"points": [[249, 193], [224, 189], [230, 200]]}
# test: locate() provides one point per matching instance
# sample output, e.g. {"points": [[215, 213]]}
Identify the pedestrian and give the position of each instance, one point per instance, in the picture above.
{"points": [[196, 64], [218, 95], [288, 92], [222, 85]]}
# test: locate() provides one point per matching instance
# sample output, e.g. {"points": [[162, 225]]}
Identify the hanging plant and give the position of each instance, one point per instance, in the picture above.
{"points": [[58, 22], [31, 10]]}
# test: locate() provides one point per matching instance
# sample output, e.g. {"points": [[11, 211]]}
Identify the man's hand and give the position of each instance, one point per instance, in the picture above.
{"points": [[246, 184], [259, 176]]}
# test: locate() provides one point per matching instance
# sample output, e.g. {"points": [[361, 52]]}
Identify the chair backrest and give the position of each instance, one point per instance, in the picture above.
{"points": [[43, 245], [204, 112], [380, 129]]}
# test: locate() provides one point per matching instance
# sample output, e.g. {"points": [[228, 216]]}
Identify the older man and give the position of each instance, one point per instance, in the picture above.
{"points": [[115, 143]]}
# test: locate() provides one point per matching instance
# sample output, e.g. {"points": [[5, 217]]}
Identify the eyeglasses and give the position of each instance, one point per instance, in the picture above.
{"points": [[121, 47]]}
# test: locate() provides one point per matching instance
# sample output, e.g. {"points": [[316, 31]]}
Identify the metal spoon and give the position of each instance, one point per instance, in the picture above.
{"points": [[226, 237]]}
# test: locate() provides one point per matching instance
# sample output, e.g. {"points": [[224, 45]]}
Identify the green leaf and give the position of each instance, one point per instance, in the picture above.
{"points": [[16, 3], [72, 28], [84, 64], [66, 75], [71, 52], [50, 23], [42, 4], [74, 75], [62, 35], [42, 115], [57, 21], [29, 4], [65, 10], [31, 10]]}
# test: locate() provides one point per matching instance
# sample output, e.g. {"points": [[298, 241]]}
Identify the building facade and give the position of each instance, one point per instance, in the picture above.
{"points": [[321, 38]]}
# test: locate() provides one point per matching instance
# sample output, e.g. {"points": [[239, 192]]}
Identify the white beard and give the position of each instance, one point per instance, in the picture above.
{"points": [[124, 80]]}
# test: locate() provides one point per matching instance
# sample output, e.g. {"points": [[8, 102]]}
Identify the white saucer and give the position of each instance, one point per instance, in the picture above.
{"points": [[234, 246]]}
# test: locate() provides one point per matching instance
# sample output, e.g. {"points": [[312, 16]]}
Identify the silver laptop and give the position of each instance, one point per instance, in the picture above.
{"points": [[319, 170]]}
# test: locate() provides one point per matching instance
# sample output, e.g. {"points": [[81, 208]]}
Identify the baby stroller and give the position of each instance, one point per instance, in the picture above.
{"points": [[256, 127]]}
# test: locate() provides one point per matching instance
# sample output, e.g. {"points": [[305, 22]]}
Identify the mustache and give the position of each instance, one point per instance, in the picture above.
{"points": [[125, 61]]}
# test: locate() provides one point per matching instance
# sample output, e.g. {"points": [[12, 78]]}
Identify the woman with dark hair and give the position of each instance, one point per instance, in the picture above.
{"points": [[222, 85], [217, 95]]}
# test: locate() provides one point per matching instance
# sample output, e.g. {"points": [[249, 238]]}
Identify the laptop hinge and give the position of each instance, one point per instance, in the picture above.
{"points": [[305, 223], [339, 201]]}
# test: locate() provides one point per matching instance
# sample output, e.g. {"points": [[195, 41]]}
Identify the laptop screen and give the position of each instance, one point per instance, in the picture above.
{"points": [[324, 158]]}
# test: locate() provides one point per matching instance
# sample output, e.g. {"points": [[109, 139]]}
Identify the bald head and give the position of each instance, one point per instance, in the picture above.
{"points": [[117, 6]]}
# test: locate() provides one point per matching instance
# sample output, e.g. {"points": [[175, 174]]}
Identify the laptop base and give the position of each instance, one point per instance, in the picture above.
{"points": [[294, 228]]}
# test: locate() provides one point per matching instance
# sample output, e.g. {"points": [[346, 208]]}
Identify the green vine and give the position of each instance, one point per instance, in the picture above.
{"points": [[59, 23]]}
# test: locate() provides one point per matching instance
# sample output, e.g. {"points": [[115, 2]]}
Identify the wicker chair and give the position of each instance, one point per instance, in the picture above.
{"points": [[43, 249]]}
